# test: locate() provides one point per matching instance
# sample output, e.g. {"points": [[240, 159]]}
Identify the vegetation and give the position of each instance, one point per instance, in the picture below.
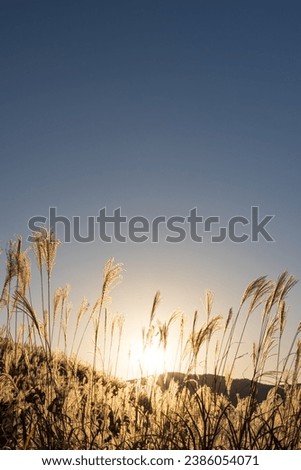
{"points": [[50, 400]]}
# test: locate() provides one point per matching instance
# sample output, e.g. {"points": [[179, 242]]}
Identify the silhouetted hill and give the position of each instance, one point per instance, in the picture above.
{"points": [[239, 387]]}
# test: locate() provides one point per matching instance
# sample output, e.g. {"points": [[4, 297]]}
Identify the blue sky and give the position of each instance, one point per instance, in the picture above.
{"points": [[155, 107]]}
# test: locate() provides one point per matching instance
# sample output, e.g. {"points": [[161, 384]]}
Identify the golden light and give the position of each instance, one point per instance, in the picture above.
{"points": [[149, 360]]}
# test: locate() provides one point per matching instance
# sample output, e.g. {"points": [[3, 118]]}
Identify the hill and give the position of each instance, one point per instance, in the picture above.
{"points": [[239, 388]]}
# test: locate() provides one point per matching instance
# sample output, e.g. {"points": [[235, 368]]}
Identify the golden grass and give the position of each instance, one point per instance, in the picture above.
{"points": [[50, 400]]}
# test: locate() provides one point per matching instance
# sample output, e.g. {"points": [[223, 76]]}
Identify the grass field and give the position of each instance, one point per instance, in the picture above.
{"points": [[49, 399]]}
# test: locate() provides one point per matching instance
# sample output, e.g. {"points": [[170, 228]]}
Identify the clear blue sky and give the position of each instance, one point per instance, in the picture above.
{"points": [[155, 107]]}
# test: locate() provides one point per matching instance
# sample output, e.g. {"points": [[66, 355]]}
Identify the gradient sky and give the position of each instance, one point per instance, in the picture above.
{"points": [[155, 107]]}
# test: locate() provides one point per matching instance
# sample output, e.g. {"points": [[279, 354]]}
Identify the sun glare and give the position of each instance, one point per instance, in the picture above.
{"points": [[147, 361]]}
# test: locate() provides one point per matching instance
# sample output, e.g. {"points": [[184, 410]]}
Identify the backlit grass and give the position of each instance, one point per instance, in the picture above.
{"points": [[49, 399]]}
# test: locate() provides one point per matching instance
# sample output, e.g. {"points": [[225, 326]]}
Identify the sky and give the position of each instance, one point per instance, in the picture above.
{"points": [[155, 108]]}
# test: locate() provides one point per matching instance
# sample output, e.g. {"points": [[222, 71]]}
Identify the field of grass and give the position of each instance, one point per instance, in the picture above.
{"points": [[49, 399]]}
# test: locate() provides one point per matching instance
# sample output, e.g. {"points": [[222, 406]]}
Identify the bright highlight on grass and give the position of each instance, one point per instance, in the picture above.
{"points": [[49, 399]]}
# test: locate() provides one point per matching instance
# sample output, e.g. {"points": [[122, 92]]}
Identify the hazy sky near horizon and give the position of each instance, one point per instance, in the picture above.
{"points": [[156, 107]]}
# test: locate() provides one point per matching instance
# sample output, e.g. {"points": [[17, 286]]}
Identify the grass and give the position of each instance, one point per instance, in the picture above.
{"points": [[49, 399]]}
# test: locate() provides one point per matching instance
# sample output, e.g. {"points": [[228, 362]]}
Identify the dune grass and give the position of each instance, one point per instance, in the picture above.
{"points": [[49, 399]]}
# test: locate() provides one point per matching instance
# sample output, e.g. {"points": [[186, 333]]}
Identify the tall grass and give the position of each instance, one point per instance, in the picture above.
{"points": [[49, 399]]}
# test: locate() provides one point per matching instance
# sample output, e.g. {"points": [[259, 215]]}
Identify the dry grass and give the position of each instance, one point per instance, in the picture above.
{"points": [[50, 400]]}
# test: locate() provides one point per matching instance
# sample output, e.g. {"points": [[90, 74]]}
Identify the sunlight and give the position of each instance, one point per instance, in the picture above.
{"points": [[147, 361]]}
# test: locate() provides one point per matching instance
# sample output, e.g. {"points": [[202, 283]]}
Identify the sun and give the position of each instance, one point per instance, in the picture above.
{"points": [[148, 360]]}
